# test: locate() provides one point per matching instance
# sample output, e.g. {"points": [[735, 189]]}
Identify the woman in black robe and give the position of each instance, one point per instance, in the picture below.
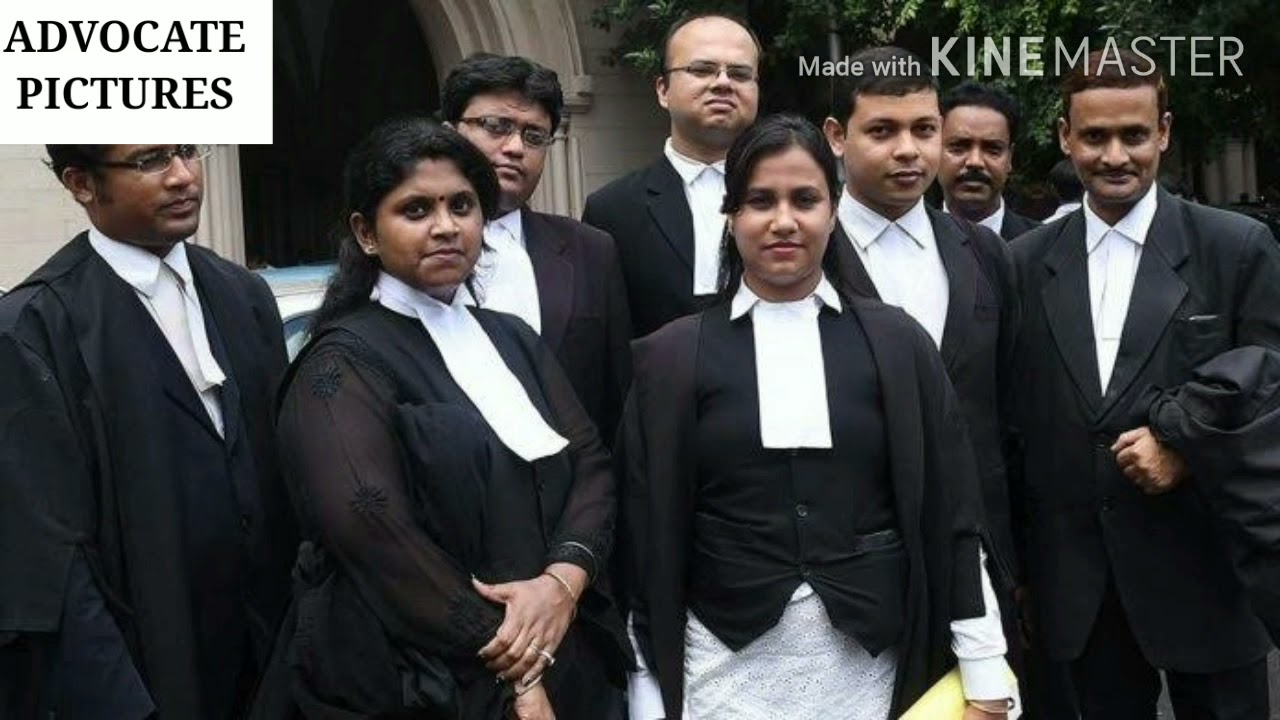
{"points": [[457, 505], [803, 518]]}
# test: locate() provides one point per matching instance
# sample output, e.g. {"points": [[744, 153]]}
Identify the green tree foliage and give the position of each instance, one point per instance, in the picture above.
{"points": [[1207, 110]]}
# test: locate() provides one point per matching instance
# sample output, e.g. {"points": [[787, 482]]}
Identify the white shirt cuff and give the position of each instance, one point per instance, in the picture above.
{"points": [[644, 695], [986, 679], [979, 646]]}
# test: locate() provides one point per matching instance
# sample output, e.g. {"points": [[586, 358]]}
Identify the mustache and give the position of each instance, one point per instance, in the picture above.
{"points": [[973, 176]]}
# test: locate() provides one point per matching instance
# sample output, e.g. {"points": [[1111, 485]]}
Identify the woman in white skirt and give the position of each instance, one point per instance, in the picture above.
{"points": [[801, 515]]}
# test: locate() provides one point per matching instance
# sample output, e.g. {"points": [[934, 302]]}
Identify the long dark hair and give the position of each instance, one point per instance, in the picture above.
{"points": [[771, 136], [375, 167]]}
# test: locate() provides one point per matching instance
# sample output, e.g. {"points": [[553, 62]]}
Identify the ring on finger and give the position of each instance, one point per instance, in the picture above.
{"points": [[551, 659]]}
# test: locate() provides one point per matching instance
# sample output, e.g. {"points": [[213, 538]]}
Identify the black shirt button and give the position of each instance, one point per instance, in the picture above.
{"points": [[244, 523], [793, 452], [804, 572], [1108, 504], [802, 510]]}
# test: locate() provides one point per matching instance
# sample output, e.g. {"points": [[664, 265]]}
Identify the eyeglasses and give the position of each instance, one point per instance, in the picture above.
{"points": [[706, 70], [503, 127], [157, 161]]}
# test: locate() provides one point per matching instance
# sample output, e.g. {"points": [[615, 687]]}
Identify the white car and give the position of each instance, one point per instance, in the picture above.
{"points": [[298, 291]]}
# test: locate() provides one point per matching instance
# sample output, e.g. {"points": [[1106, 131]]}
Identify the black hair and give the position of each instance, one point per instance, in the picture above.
{"points": [[1125, 70], [769, 136], [987, 96], [664, 49], [374, 168], [1066, 183], [85, 157], [484, 73], [886, 70]]}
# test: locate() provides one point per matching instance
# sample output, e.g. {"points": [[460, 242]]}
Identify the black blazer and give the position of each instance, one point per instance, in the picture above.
{"points": [[977, 341], [1015, 224], [1208, 281], [583, 305], [648, 216]]}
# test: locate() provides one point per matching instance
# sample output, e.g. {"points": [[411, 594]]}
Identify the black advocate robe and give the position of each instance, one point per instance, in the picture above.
{"points": [[94, 470], [931, 465], [405, 493], [1231, 442]]}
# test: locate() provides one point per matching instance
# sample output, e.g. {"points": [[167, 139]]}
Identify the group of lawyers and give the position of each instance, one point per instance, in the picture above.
{"points": [[856, 442]]}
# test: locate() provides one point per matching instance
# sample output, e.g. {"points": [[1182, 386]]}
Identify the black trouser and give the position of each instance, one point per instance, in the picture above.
{"points": [[1115, 682], [1045, 684]]}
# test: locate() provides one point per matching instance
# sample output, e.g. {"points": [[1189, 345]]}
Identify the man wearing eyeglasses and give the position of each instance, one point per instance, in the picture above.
{"points": [[145, 541], [557, 274], [666, 217]]}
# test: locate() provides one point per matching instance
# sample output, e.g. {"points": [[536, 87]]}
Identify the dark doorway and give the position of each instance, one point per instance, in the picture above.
{"points": [[341, 66]]}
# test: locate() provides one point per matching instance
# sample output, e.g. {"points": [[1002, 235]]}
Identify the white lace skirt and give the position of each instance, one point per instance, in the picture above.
{"points": [[801, 669]]}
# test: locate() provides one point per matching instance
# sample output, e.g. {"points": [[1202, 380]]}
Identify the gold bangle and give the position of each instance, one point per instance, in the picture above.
{"points": [[521, 688], [992, 707], [563, 583]]}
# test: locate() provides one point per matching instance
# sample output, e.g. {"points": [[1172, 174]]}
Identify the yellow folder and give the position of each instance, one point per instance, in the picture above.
{"points": [[943, 701]]}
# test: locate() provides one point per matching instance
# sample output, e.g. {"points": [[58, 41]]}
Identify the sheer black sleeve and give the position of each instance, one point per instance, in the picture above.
{"points": [[584, 535], [342, 457]]}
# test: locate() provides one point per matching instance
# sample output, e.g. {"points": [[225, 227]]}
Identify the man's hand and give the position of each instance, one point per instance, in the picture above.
{"points": [[1153, 467]]}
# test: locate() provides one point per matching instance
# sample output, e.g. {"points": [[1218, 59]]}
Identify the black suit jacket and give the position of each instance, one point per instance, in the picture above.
{"points": [[1015, 224], [1208, 281], [977, 341], [583, 306], [648, 216]]}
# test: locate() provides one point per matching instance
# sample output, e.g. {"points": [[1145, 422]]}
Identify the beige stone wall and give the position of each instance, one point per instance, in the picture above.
{"points": [[624, 128], [36, 215]]}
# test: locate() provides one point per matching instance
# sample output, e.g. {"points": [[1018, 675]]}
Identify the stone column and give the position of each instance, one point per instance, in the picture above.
{"points": [[222, 216]]}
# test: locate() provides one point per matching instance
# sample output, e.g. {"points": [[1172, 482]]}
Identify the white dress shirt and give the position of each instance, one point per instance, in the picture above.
{"points": [[1064, 209], [704, 189], [840, 679], [992, 222], [901, 256], [167, 289], [1114, 252], [793, 405], [474, 363], [504, 273]]}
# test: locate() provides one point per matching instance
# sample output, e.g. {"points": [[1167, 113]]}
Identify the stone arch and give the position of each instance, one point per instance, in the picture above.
{"points": [[542, 30]]}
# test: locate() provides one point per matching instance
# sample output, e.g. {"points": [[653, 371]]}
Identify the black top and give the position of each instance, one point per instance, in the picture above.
{"points": [[407, 493], [766, 520]]}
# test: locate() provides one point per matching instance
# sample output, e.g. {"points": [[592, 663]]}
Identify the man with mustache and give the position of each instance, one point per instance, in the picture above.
{"points": [[979, 123], [953, 277], [560, 275], [145, 537], [666, 217], [1126, 302]]}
